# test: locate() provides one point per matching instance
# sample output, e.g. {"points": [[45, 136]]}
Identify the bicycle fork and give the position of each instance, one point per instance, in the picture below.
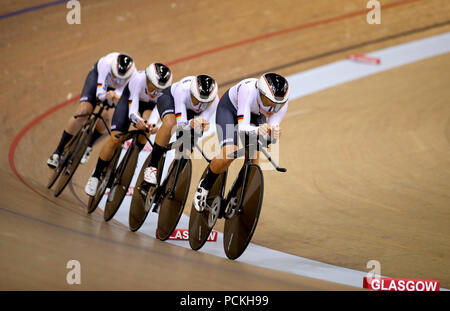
{"points": [[179, 167], [231, 200]]}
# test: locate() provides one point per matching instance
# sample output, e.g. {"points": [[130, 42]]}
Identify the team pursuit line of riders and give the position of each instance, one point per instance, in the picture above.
{"points": [[140, 99]]}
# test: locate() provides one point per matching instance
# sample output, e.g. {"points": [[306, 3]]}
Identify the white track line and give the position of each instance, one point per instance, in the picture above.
{"points": [[302, 84]]}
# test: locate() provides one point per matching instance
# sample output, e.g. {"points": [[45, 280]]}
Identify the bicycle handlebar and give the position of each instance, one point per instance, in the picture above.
{"points": [[128, 134], [197, 133], [104, 105], [260, 142]]}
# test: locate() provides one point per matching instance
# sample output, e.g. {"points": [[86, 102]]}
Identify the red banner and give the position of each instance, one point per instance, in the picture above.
{"points": [[183, 235], [388, 284]]}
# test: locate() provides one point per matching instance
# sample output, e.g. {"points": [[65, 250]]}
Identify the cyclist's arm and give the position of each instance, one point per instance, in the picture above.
{"points": [[133, 109], [179, 97], [103, 68], [243, 111]]}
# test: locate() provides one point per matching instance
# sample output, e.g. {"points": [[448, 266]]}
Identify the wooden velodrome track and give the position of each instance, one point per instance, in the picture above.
{"points": [[368, 161]]}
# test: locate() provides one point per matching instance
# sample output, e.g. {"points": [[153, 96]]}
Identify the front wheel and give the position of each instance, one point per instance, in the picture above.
{"points": [[73, 160], [67, 154], [241, 223], [103, 183], [121, 183], [172, 203]]}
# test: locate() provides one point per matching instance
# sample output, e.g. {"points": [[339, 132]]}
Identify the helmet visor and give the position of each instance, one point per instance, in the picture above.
{"points": [[151, 87], [117, 80], [269, 105], [200, 105]]}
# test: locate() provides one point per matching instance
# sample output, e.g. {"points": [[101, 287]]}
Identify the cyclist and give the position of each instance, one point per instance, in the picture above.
{"points": [[135, 105], [252, 106], [187, 104], [105, 81]]}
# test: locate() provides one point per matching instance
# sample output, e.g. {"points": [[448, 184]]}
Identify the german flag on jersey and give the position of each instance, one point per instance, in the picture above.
{"points": [[240, 118], [99, 85], [178, 115], [129, 103]]}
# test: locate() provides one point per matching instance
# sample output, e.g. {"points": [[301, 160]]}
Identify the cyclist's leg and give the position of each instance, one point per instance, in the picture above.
{"points": [[99, 130], [218, 165], [119, 124], [70, 130], [162, 138], [165, 132], [166, 109], [100, 127], [107, 153], [87, 104], [73, 125], [226, 121]]}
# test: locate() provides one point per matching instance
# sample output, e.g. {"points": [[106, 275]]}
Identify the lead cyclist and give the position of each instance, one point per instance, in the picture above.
{"points": [[253, 106]]}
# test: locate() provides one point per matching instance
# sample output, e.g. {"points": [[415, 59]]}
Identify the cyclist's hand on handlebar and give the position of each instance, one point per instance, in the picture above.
{"points": [[205, 125], [112, 96], [263, 129], [199, 123], [275, 132], [152, 128], [142, 125]]}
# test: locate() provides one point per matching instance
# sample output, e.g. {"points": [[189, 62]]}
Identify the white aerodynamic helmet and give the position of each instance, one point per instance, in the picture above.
{"points": [[123, 66], [159, 74], [274, 87], [204, 88]]}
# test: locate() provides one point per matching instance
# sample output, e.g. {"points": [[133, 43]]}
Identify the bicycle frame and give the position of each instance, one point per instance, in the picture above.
{"points": [[261, 143], [182, 157], [97, 115], [134, 134], [92, 116]]}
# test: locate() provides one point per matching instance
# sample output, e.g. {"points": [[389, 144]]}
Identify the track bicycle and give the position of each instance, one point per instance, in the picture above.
{"points": [[75, 149], [240, 208], [169, 196]]}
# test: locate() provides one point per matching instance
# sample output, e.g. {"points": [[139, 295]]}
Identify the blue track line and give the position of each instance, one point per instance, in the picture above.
{"points": [[33, 8]]}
